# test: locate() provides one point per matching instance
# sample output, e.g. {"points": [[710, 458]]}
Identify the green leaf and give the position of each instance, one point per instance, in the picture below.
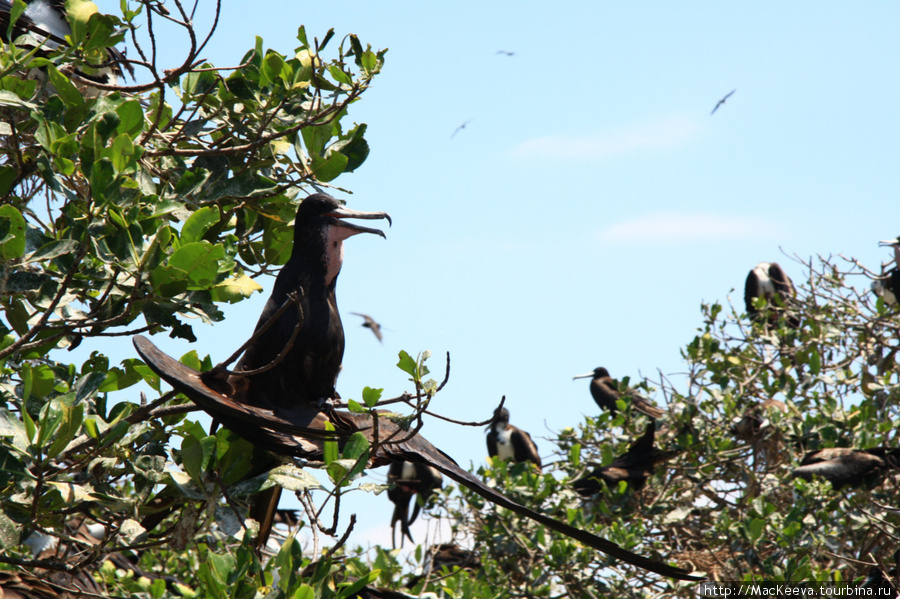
{"points": [[52, 250], [355, 407], [371, 396], [233, 290], [328, 168], [196, 455], [12, 232], [64, 88], [407, 364], [196, 226], [330, 451]]}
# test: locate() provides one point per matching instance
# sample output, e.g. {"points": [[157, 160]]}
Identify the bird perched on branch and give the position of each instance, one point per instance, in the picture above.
{"points": [[845, 466], [633, 466], [510, 443], [410, 481], [605, 391], [768, 280], [278, 397], [888, 286], [45, 25]]}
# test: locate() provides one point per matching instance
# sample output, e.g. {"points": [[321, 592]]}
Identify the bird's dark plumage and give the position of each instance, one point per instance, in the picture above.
{"points": [[45, 22], [888, 286], [370, 324], [633, 466], [460, 128], [722, 101], [605, 391], [410, 481], [845, 466], [301, 432], [768, 280], [509, 442]]}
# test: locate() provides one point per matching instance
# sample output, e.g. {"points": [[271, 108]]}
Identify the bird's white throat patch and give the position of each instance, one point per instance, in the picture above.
{"points": [[334, 250], [505, 447]]}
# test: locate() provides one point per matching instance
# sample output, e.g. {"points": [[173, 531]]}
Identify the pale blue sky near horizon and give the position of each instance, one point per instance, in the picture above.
{"points": [[592, 202]]}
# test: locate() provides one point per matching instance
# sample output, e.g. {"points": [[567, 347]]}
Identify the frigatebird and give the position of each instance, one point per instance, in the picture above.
{"points": [[370, 324], [44, 21], [769, 281], [510, 443], [460, 128], [278, 397], [605, 391], [633, 466], [506, 52], [845, 466], [722, 101], [410, 480], [887, 287]]}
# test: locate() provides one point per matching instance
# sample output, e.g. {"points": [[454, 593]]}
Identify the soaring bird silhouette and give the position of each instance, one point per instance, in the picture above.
{"points": [[509, 442], [278, 396], [410, 480], [722, 101], [845, 466], [768, 280], [888, 286], [45, 23], [370, 324], [460, 128], [633, 466], [605, 391]]}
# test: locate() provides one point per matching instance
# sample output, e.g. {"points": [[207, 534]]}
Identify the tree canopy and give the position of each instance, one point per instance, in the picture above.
{"points": [[137, 207]]}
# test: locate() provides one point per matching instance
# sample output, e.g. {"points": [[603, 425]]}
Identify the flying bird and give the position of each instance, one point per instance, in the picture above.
{"points": [[460, 128], [605, 391], [45, 25], [370, 324], [722, 101], [506, 52], [510, 443], [888, 286], [279, 395], [844, 466], [769, 281], [633, 466], [408, 481]]}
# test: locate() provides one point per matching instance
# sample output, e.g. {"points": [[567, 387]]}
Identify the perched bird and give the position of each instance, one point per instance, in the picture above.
{"points": [[605, 391], [370, 324], [888, 286], [633, 466], [769, 281], [446, 556], [722, 101], [45, 25], [509, 442], [306, 338], [754, 424], [460, 128], [408, 480], [278, 397], [845, 466]]}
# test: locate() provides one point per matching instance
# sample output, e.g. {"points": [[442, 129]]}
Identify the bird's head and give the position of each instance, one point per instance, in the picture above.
{"points": [[894, 243], [598, 373], [321, 227], [501, 416]]}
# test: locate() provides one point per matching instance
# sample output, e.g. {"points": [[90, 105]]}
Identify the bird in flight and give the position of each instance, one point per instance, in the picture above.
{"points": [[370, 324], [460, 128], [506, 52], [722, 101]]}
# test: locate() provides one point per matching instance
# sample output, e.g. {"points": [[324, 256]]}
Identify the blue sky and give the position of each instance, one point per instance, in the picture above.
{"points": [[591, 203]]}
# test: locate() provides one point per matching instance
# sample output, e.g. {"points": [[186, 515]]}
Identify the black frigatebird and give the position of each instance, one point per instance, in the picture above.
{"points": [[45, 23], [370, 324], [280, 402], [845, 466], [410, 480], [460, 128], [888, 286], [768, 280], [509, 442], [605, 391], [506, 52], [633, 466], [722, 101]]}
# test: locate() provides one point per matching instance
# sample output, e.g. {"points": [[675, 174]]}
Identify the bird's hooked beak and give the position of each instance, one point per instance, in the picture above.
{"points": [[343, 212], [589, 375]]}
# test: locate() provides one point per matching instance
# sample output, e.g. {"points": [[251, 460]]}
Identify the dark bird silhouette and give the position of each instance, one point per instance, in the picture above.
{"points": [[509, 442], [633, 466], [844, 466], [44, 21], [370, 324], [410, 480], [888, 286], [754, 424], [506, 52], [302, 432], [605, 391], [445, 557], [722, 101], [769, 281], [460, 128]]}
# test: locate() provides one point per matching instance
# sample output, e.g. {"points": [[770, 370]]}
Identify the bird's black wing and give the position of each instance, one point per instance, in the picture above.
{"points": [[783, 284], [303, 434], [751, 292]]}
